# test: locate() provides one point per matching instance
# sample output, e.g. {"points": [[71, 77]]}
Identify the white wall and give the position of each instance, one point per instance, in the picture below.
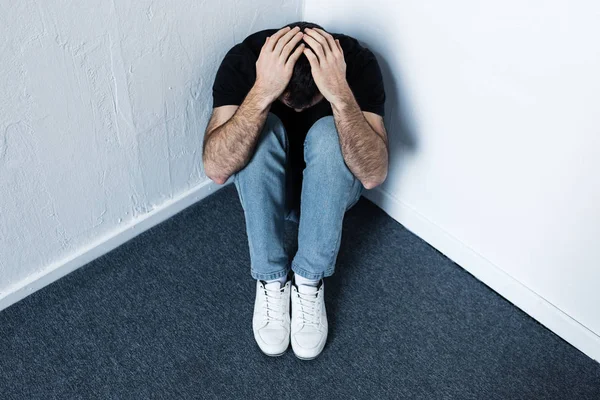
{"points": [[102, 109], [495, 130]]}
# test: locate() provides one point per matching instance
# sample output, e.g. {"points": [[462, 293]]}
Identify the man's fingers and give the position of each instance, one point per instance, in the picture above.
{"points": [[319, 38], [285, 39], [315, 46], [328, 37], [339, 46], [275, 37], [295, 56], [312, 59], [287, 49]]}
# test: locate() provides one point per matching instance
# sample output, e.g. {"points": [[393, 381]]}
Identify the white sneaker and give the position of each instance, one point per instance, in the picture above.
{"points": [[309, 320], [271, 319]]}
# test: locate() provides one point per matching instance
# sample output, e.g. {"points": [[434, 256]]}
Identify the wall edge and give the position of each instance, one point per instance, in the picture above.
{"points": [[103, 245], [537, 307]]}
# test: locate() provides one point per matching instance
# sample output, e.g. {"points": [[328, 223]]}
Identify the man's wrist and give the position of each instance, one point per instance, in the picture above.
{"points": [[263, 99], [343, 100]]}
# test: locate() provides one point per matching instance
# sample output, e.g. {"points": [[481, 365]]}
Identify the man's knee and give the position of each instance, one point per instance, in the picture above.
{"points": [[271, 144], [322, 141], [273, 132]]}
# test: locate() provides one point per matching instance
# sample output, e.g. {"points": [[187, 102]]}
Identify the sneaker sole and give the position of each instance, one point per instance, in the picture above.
{"points": [[273, 355], [306, 358]]}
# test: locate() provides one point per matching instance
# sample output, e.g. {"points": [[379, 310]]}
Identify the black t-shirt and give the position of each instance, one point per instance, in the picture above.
{"points": [[237, 73]]}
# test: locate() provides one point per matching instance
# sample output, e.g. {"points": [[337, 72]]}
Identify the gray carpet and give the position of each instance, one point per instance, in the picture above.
{"points": [[168, 315]]}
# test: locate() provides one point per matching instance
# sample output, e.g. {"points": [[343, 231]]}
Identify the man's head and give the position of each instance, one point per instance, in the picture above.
{"points": [[301, 92]]}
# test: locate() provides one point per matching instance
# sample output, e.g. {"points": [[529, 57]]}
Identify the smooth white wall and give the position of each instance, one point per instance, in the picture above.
{"points": [[103, 106], [494, 123]]}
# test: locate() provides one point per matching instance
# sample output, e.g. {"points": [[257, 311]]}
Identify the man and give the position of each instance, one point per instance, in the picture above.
{"points": [[298, 123]]}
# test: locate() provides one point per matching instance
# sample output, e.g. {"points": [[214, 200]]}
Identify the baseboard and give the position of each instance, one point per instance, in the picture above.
{"points": [[107, 243], [493, 276]]}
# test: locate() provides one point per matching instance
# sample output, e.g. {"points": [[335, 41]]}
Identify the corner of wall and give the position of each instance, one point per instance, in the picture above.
{"points": [[490, 274]]}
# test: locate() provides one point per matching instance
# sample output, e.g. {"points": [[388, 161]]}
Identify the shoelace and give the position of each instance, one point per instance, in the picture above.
{"points": [[309, 309], [272, 306]]}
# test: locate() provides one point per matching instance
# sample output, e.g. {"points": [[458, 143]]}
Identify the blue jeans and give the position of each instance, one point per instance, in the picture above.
{"points": [[329, 189]]}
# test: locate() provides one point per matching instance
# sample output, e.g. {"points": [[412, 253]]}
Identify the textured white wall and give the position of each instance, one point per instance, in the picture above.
{"points": [[494, 124], [103, 105]]}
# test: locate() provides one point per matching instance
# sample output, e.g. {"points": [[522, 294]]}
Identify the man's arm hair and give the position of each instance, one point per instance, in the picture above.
{"points": [[229, 141], [363, 140]]}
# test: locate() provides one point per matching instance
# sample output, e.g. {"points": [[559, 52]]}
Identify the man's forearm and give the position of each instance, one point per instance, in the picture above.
{"points": [[365, 151], [229, 147]]}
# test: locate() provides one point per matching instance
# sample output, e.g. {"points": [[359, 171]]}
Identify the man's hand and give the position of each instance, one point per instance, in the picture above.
{"points": [[327, 64], [275, 65]]}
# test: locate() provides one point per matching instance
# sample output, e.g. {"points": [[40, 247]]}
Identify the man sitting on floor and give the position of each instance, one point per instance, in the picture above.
{"points": [[298, 123]]}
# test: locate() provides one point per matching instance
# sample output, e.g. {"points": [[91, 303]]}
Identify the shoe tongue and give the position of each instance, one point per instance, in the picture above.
{"points": [[273, 285], [305, 289]]}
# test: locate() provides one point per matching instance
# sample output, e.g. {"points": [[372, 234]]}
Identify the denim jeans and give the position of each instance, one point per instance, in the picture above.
{"points": [[329, 189]]}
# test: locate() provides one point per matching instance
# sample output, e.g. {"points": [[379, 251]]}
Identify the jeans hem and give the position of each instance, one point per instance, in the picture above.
{"points": [[312, 275], [268, 276]]}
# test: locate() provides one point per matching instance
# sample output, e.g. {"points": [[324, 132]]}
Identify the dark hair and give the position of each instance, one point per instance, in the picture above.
{"points": [[301, 90]]}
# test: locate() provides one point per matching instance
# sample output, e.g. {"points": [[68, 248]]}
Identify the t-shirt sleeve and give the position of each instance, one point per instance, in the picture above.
{"points": [[367, 84], [235, 77]]}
